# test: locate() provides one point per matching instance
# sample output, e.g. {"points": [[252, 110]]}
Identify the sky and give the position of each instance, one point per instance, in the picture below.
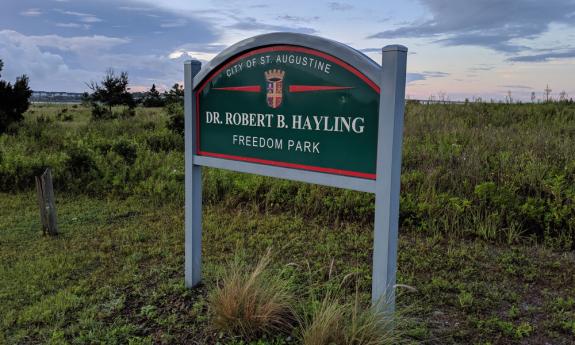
{"points": [[457, 48]]}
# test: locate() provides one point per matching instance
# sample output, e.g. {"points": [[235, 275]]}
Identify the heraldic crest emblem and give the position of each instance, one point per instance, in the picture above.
{"points": [[274, 80]]}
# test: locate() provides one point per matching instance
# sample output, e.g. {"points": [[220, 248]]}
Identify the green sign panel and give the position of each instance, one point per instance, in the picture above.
{"points": [[291, 107]]}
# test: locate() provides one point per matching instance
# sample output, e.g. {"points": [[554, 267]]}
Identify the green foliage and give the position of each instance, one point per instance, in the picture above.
{"points": [[126, 149], [175, 122], [111, 91], [175, 95], [14, 101], [503, 173], [152, 98]]}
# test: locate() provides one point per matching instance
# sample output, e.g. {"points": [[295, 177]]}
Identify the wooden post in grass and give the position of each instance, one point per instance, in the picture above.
{"points": [[46, 202]]}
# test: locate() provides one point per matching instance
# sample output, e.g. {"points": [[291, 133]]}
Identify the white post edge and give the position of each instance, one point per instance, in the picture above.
{"points": [[390, 135], [193, 183]]}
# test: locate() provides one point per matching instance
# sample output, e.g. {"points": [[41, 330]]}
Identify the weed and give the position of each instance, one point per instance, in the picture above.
{"points": [[465, 299]]}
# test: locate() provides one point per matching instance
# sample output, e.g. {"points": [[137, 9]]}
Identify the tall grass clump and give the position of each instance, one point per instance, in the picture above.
{"points": [[252, 302], [373, 326], [324, 325], [339, 323]]}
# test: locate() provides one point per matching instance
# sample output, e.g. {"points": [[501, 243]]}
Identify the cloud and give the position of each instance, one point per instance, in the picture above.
{"points": [[46, 69], [297, 19], [413, 77], [339, 6], [177, 23], [73, 25], [371, 50], [77, 44], [83, 17], [252, 24], [32, 12], [562, 54], [54, 71], [481, 67], [435, 74], [492, 24], [135, 9], [57, 54], [517, 87]]}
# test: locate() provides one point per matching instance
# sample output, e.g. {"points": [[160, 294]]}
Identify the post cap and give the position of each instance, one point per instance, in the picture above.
{"points": [[395, 47]]}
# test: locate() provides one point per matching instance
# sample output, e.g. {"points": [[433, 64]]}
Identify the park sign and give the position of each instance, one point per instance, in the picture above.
{"points": [[302, 108], [292, 107]]}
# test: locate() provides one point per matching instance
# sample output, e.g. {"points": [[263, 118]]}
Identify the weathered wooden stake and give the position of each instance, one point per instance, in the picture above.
{"points": [[46, 202]]}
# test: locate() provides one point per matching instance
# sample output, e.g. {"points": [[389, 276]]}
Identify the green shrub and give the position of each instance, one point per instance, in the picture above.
{"points": [[175, 122], [126, 149], [100, 112], [499, 172]]}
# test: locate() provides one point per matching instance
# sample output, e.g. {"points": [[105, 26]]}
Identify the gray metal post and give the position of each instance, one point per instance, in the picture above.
{"points": [[390, 134], [193, 183]]}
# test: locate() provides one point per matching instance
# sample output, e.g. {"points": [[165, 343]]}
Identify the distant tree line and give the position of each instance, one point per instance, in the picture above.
{"points": [[113, 92]]}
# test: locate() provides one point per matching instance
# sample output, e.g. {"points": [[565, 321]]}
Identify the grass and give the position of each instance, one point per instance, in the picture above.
{"points": [[486, 231], [325, 324], [252, 302]]}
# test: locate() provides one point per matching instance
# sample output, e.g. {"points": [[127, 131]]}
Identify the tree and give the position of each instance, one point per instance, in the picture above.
{"points": [[14, 100], [174, 99], [153, 98], [175, 95], [111, 91], [533, 97]]}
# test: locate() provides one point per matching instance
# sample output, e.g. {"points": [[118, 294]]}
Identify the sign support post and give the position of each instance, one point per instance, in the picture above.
{"points": [[387, 185], [193, 183]]}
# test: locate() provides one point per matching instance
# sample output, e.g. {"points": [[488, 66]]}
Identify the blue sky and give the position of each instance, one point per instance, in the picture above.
{"points": [[458, 49]]}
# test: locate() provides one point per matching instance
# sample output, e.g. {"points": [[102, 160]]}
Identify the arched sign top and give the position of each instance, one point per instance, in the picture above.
{"points": [[352, 57], [290, 106]]}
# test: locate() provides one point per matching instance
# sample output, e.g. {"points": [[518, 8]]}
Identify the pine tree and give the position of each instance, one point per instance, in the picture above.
{"points": [[111, 91], [153, 98], [175, 95], [14, 100]]}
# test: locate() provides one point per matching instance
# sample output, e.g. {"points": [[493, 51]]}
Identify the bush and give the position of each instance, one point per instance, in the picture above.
{"points": [[165, 141], [100, 112], [127, 150], [175, 118], [80, 161]]}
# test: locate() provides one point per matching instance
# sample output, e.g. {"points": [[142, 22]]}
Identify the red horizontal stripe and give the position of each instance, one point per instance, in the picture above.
{"points": [[253, 88], [289, 165], [308, 88]]}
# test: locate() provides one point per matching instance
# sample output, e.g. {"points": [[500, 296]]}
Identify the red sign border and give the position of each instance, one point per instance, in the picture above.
{"points": [[288, 48]]}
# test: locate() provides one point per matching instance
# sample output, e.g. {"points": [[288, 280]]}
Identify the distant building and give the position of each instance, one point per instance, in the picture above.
{"points": [[55, 97]]}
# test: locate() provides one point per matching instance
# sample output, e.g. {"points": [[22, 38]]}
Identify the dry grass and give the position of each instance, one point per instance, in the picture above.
{"points": [[349, 324], [324, 326], [371, 326], [252, 302]]}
